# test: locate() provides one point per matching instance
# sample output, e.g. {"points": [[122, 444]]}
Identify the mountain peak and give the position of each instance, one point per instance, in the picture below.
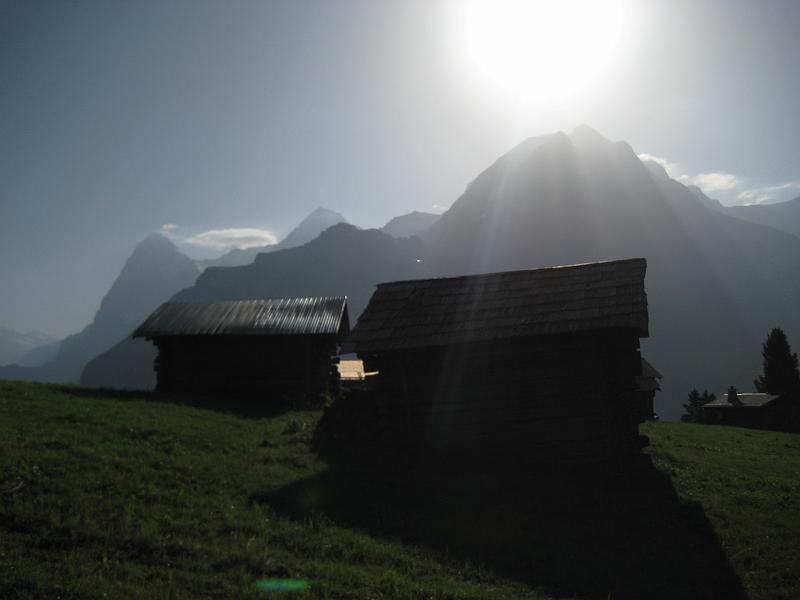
{"points": [[315, 223], [583, 136], [321, 211], [155, 242], [153, 249]]}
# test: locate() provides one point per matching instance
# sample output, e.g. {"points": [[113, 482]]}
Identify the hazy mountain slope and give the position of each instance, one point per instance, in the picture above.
{"points": [[660, 174], [715, 284], [315, 223], [39, 355], [782, 215], [311, 227], [14, 345], [413, 223], [701, 195], [154, 271]]}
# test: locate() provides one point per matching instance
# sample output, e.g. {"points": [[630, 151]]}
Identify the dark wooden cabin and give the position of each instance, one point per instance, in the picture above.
{"points": [[777, 412], [281, 347], [534, 366]]}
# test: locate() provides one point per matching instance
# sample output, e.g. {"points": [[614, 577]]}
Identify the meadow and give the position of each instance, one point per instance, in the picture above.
{"points": [[106, 495]]}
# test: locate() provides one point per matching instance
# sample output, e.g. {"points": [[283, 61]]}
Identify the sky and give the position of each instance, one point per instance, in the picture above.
{"points": [[118, 119]]}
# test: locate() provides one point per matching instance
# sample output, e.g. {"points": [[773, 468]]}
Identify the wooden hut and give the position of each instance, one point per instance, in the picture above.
{"points": [[281, 347], [524, 366], [778, 412]]}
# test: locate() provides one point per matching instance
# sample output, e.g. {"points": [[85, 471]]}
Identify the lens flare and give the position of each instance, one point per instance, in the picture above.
{"points": [[282, 585]]}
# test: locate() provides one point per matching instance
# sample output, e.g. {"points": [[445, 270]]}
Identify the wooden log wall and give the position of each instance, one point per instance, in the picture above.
{"points": [[279, 365], [562, 400]]}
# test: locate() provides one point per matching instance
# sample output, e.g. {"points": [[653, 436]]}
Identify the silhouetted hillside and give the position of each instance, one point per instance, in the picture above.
{"points": [[413, 223], [309, 228], [154, 272], [715, 283]]}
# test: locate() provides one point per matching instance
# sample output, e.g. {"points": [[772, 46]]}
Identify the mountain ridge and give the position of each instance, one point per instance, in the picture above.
{"points": [[414, 223], [784, 216], [155, 270]]}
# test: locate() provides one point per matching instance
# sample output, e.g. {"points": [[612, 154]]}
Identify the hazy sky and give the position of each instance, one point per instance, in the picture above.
{"points": [[117, 118]]}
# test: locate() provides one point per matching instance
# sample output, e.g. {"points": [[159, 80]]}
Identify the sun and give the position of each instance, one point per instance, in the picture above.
{"points": [[541, 48]]}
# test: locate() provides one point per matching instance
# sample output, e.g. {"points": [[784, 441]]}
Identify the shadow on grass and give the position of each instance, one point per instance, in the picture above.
{"points": [[243, 406], [568, 537]]}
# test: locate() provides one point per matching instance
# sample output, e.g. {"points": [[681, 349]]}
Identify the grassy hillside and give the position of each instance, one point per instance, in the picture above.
{"points": [[748, 485], [128, 497]]}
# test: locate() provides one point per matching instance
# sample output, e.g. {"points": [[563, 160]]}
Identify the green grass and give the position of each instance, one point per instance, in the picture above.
{"points": [[122, 496], [748, 484], [134, 498]]}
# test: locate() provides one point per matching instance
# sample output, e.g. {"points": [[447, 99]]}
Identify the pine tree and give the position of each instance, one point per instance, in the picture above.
{"points": [[693, 413], [781, 375]]}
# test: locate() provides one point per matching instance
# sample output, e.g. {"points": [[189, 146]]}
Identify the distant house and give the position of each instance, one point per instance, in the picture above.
{"points": [[280, 347], [754, 410], [523, 366], [648, 385]]}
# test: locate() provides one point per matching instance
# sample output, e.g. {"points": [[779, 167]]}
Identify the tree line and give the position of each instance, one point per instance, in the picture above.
{"points": [[780, 375]]}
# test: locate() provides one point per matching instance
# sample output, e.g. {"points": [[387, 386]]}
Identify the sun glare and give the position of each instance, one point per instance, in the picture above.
{"points": [[541, 48]]}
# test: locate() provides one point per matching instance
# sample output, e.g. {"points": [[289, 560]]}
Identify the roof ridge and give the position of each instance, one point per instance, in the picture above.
{"points": [[307, 315], [576, 266], [510, 304], [271, 299]]}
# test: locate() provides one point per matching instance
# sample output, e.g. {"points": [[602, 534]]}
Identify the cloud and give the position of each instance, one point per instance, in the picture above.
{"points": [[438, 208], [168, 227], [670, 167], [708, 182], [714, 182], [730, 186], [225, 239], [766, 194]]}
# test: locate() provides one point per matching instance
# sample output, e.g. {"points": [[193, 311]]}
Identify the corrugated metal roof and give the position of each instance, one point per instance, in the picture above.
{"points": [[267, 316], [747, 400], [435, 312]]}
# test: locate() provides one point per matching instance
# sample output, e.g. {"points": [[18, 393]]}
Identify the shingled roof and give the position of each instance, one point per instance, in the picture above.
{"points": [[746, 400], [533, 302], [269, 316]]}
